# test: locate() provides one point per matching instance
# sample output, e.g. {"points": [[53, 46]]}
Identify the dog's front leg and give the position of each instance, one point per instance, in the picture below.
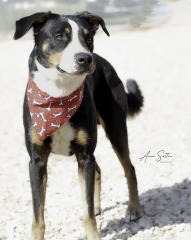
{"points": [[86, 171], [97, 191], [38, 179]]}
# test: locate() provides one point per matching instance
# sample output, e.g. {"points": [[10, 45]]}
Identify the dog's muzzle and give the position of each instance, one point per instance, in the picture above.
{"points": [[84, 64]]}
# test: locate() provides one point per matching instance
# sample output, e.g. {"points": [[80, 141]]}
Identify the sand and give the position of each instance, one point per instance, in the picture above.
{"points": [[159, 59]]}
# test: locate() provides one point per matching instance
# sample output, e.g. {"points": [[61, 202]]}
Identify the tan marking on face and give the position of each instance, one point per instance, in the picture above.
{"points": [[54, 59], [85, 30], [82, 137], [45, 47], [67, 30], [34, 138]]}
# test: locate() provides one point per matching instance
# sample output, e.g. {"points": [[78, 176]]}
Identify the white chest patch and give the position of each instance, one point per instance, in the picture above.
{"points": [[55, 84], [61, 139]]}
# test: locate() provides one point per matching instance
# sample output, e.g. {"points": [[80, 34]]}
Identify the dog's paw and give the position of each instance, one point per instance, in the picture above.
{"points": [[133, 212]]}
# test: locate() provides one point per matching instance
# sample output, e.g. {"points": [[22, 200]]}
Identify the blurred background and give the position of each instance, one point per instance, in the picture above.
{"points": [[134, 13]]}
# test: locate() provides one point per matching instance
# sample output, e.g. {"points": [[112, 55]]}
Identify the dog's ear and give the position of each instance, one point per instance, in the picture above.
{"points": [[35, 20], [93, 20]]}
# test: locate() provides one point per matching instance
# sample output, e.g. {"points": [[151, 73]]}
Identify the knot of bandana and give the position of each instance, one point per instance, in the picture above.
{"points": [[48, 114]]}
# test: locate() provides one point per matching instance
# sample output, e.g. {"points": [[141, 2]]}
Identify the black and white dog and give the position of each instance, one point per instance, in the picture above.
{"points": [[70, 90]]}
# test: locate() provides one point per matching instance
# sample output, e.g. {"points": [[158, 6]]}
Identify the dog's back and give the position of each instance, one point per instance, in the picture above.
{"points": [[108, 88]]}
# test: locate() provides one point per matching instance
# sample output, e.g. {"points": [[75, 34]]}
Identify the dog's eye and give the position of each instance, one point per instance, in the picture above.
{"points": [[89, 40], [60, 36]]}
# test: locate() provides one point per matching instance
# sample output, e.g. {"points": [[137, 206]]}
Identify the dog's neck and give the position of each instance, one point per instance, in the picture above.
{"points": [[54, 83]]}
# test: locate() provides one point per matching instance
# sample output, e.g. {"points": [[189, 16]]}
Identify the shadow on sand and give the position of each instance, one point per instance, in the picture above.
{"points": [[160, 207]]}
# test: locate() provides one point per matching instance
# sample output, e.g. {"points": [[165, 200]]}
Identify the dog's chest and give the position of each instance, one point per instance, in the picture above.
{"points": [[61, 139]]}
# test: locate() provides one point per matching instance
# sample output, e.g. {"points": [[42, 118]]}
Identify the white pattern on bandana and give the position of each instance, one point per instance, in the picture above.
{"points": [[49, 113]]}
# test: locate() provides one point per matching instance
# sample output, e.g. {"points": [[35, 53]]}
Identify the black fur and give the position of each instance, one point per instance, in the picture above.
{"points": [[134, 98]]}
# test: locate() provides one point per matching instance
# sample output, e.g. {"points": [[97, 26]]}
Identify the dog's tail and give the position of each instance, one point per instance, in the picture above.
{"points": [[134, 98]]}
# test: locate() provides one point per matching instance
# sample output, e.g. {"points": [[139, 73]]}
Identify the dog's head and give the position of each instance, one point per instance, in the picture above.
{"points": [[63, 42]]}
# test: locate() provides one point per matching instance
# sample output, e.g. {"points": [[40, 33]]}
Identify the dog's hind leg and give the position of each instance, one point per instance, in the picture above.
{"points": [[117, 133], [113, 120], [133, 211], [38, 179], [87, 172]]}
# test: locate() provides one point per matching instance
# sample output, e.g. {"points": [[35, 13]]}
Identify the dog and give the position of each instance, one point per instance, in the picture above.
{"points": [[70, 90]]}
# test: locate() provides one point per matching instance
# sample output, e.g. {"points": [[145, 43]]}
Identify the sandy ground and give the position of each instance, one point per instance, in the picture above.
{"points": [[159, 59]]}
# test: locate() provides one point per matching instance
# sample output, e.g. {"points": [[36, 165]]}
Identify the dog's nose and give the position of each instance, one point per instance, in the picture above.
{"points": [[84, 59]]}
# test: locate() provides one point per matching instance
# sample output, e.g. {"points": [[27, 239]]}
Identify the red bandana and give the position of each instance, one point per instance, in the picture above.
{"points": [[49, 113]]}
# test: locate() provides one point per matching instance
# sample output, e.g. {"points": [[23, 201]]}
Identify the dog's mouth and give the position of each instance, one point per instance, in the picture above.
{"points": [[88, 70], [60, 69]]}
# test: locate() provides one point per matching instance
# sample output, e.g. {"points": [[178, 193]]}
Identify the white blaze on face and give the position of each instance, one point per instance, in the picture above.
{"points": [[68, 63]]}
